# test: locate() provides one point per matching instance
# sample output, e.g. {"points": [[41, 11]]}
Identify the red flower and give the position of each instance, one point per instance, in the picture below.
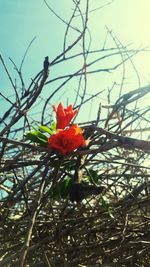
{"points": [[64, 115], [67, 140]]}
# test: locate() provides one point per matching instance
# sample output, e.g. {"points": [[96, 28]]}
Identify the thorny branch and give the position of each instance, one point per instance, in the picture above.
{"points": [[36, 224]]}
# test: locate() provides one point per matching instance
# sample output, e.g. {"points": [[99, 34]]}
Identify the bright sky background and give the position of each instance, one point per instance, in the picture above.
{"points": [[21, 20]]}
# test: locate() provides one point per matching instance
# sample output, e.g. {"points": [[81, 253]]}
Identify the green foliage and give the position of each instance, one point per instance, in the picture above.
{"points": [[92, 176], [37, 137], [106, 206], [61, 190], [46, 129], [68, 165], [53, 126]]}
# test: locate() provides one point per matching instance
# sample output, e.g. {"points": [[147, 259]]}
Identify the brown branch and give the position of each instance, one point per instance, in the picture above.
{"points": [[35, 210]]}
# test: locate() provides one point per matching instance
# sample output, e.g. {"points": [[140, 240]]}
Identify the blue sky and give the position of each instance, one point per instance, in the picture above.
{"points": [[21, 20]]}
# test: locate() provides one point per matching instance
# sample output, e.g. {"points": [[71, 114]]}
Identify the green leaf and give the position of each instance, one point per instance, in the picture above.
{"points": [[61, 190], [53, 126], [68, 165], [106, 206], [46, 129], [37, 137], [93, 176], [104, 203], [64, 187]]}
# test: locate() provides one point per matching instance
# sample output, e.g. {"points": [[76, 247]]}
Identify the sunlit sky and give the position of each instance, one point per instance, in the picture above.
{"points": [[21, 20]]}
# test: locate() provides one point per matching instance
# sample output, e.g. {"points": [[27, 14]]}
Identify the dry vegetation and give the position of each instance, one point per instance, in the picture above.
{"points": [[112, 229]]}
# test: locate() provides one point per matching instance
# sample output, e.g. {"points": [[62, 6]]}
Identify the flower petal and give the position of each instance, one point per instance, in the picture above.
{"points": [[64, 115], [67, 140]]}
